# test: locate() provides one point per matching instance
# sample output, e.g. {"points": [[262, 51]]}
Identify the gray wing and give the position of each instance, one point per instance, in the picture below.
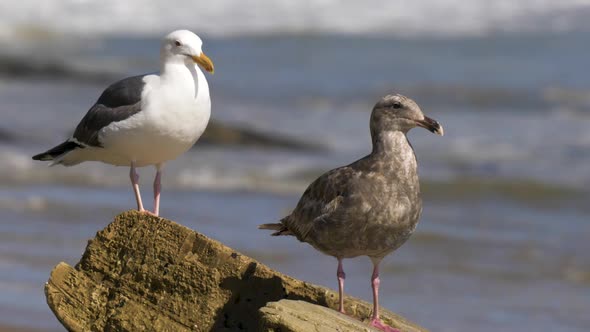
{"points": [[118, 102]]}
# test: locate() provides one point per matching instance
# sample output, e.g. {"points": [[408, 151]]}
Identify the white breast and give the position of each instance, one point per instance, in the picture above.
{"points": [[175, 111]]}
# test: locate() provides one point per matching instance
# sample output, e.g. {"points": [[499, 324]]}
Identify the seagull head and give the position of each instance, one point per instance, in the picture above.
{"points": [[397, 112], [183, 45]]}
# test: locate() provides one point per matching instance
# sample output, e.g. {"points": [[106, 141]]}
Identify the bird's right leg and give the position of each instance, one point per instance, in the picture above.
{"points": [[375, 282], [157, 189], [135, 183], [341, 276]]}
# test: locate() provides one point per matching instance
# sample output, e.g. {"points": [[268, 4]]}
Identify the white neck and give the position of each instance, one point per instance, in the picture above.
{"points": [[181, 73]]}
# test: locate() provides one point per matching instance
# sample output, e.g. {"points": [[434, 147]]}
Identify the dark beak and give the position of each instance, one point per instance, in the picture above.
{"points": [[431, 125]]}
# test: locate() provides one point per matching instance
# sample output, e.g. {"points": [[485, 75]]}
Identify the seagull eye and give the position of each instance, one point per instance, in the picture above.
{"points": [[177, 43], [397, 105]]}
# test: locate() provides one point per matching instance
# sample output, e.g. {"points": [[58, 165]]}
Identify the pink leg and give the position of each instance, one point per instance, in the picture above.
{"points": [[375, 321], [134, 182], [157, 189], [341, 276]]}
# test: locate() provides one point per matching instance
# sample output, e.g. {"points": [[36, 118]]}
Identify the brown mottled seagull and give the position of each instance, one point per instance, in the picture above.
{"points": [[370, 207], [148, 119]]}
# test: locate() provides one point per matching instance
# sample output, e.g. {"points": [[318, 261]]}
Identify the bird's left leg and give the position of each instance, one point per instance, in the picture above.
{"points": [[375, 321], [157, 188], [341, 276], [135, 184]]}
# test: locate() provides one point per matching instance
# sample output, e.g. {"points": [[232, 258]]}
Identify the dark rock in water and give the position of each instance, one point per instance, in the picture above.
{"points": [[26, 67], [14, 66], [6, 136], [144, 273], [218, 133]]}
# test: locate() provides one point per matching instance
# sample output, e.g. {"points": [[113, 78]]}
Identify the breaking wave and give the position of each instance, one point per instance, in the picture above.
{"points": [[263, 17]]}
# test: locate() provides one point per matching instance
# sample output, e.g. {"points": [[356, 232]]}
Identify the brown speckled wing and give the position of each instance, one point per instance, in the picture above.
{"points": [[320, 201]]}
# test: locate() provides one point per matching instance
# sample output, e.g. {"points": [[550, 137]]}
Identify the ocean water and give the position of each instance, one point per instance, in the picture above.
{"points": [[503, 240]]}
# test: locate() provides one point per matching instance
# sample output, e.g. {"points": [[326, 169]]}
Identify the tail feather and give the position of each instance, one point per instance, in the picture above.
{"points": [[58, 151], [278, 227]]}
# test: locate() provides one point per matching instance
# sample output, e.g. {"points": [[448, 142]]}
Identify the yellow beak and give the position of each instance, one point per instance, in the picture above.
{"points": [[204, 61]]}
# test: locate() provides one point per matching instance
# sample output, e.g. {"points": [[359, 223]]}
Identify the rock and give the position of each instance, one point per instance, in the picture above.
{"points": [[294, 316], [21, 66], [222, 134], [144, 273], [6, 136]]}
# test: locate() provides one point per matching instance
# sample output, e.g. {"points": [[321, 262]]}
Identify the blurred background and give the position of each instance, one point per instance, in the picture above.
{"points": [[503, 243]]}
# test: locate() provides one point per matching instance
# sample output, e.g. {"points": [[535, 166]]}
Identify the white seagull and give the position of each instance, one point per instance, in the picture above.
{"points": [[147, 119]]}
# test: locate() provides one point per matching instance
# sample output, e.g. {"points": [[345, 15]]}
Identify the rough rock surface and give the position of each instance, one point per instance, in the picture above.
{"points": [[144, 273], [296, 316]]}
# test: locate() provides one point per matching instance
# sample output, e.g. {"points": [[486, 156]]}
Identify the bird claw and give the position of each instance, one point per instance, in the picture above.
{"points": [[377, 323], [148, 213]]}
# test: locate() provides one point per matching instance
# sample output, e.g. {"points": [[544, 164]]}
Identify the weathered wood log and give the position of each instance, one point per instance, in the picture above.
{"points": [[144, 273]]}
